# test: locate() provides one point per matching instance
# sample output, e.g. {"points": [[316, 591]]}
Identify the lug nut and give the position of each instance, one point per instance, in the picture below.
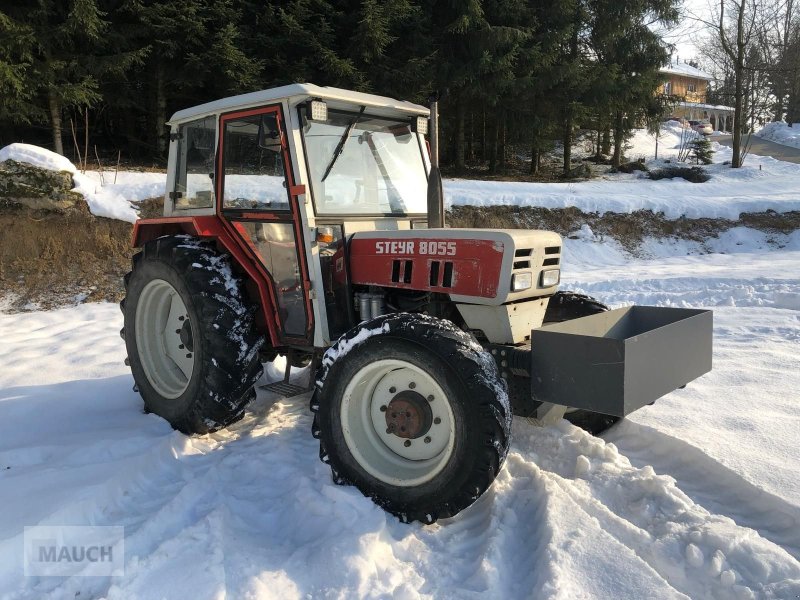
{"points": [[189, 355], [180, 347], [181, 318], [430, 398], [407, 443], [392, 390], [383, 409], [427, 439], [436, 421], [390, 429], [177, 331], [412, 385]]}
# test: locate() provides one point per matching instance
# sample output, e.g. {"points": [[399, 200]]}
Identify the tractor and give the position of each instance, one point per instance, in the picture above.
{"points": [[308, 222]]}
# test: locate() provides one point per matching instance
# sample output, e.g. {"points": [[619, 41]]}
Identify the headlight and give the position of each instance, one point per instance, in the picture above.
{"points": [[550, 278], [421, 125], [521, 281]]}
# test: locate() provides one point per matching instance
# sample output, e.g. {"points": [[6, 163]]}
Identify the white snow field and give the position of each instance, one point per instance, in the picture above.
{"points": [[697, 496], [763, 183]]}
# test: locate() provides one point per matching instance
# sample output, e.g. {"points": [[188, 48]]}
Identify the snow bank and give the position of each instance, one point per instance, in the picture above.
{"points": [[105, 199], [781, 133], [763, 184], [36, 156]]}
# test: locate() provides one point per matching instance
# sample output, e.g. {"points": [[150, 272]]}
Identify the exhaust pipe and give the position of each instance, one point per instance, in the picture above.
{"points": [[435, 191]]}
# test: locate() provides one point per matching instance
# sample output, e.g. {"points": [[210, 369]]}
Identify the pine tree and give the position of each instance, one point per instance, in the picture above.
{"points": [[701, 150], [627, 56], [65, 55]]}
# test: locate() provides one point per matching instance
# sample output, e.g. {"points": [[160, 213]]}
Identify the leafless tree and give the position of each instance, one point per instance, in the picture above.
{"points": [[738, 29]]}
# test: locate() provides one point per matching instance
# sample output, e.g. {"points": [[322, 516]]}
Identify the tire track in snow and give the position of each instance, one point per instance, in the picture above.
{"points": [[698, 553], [710, 483]]}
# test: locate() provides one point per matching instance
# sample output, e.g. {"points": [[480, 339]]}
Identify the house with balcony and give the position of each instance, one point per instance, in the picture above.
{"points": [[691, 85]]}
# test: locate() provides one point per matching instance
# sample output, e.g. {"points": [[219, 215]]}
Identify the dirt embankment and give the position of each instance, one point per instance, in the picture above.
{"points": [[628, 229], [50, 259]]}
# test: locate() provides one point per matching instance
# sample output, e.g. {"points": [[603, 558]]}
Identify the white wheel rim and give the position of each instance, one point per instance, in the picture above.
{"points": [[161, 315], [387, 456]]}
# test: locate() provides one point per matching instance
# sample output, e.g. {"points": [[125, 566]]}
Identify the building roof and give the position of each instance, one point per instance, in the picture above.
{"points": [[686, 70], [709, 107], [305, 90]]}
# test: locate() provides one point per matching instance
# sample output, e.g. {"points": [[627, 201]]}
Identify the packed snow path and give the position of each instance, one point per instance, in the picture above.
{"points": [[764, 147], [696, 496]]}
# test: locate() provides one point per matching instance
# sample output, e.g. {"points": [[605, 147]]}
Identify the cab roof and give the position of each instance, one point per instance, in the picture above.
{"points": [[298, 92]]}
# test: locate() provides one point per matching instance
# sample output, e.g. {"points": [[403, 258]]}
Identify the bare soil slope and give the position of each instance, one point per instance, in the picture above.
{"points": [[50, 259]]}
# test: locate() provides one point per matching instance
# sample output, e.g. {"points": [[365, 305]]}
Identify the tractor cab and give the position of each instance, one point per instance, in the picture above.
{"points": [[292, 172]]}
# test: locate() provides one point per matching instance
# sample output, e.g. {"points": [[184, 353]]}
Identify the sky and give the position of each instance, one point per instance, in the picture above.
{"points": [[690, 32]]}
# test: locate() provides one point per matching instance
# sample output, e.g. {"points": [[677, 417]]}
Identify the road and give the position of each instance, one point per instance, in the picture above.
{"points": [[765, 148]]}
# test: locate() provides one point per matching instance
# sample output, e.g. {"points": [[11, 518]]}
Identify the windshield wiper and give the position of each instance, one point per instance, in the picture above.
{"points": [[340, 146]]}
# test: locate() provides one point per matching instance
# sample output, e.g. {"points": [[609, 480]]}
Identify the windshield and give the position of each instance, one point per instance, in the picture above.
{"points": [[379, 169]]}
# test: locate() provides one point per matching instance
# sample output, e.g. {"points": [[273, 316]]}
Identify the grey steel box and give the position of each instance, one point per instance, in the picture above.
{"points": [[618, 361]]}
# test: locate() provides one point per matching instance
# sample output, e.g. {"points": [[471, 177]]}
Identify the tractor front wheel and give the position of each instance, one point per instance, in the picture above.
{"points": [[411, 410]]}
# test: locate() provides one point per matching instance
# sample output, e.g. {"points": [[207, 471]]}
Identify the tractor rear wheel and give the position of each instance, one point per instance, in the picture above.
{"points": [[565, 306], [190, 335], [411, 410]]}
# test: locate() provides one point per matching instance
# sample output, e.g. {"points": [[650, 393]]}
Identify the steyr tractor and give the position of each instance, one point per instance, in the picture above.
{"points": [[308, 222]]}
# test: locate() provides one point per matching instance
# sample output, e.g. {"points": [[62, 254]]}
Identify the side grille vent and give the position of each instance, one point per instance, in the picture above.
{"points": [[406, 266], [447, 274]]}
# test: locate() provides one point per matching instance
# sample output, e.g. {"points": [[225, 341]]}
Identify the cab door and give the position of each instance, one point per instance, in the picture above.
{"points": [[258, 197]]}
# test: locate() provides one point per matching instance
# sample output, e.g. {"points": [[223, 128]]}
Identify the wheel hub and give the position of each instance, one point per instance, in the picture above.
{"points": [[408, 415], [186, 336]]}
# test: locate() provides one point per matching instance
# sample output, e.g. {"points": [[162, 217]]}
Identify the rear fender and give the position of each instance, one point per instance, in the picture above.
{"points": [[212, 227]]}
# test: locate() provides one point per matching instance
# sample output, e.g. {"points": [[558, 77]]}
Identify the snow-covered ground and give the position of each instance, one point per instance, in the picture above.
{"points": [[781, 133], [756, 187], [696, 496]]}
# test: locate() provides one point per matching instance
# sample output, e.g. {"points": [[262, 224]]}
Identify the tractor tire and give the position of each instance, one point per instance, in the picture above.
{"points": [[565, 306], [190, 335], [412, 411]]}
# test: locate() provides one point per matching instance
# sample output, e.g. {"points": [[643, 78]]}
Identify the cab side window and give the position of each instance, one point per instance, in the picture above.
{"points": [[194, 176], [254, 169]]}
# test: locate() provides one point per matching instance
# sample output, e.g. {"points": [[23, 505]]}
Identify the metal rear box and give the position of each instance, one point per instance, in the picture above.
{"points": [[618, 361]]}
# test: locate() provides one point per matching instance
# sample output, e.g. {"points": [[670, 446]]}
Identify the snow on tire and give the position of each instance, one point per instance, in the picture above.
{"points": [[411, 410], [190, 334]]}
